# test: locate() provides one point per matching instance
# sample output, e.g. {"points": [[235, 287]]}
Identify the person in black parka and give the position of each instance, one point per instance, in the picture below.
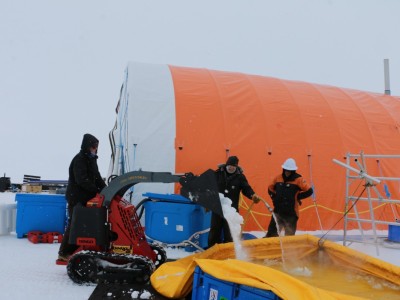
{"points": [[84, 183], [231, 182]]}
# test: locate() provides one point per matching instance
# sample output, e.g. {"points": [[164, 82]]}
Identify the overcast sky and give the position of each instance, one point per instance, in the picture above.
{"points": [[62, 62]]}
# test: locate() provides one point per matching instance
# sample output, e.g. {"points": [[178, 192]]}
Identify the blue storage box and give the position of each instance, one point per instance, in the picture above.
{"points": [[208, 287], [394, 233], [172, 219], [41, 212], [248, 236]]}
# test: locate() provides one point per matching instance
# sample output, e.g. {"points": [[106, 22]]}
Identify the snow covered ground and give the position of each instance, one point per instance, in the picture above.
{"points": [[28, 271]]}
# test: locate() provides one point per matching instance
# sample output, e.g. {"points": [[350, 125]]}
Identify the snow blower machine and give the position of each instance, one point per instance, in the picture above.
{"points": [[112, 243]]}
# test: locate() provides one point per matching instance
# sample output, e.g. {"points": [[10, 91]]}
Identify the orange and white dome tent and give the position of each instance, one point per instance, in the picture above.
{"points": [[178, 119]]}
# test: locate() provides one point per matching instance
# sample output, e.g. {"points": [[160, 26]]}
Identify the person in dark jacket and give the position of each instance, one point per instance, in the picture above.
{"points": [[231, 182], [84, 183], [287, 191]]}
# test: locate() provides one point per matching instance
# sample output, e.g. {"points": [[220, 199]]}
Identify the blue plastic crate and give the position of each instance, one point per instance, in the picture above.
{"points": [[394, 233], [248, 292], [208, 287], [41, 212], [167, 197], [248, 236], [172, 219]]}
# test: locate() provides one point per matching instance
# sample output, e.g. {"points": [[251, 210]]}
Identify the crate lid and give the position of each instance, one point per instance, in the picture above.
{"points": [[167, 197]]}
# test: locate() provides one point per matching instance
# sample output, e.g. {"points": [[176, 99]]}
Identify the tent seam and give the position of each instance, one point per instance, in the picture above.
{"points": [[362, 114], [228, 145], [340, 131], [307, 139], [266, 129]]}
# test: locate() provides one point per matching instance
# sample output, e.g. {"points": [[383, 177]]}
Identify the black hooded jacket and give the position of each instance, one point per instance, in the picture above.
{"points": [[232, 184], [84, 177]]}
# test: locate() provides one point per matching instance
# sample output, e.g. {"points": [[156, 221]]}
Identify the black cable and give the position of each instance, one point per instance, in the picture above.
{"points": [[320, 242], [139, 205]]}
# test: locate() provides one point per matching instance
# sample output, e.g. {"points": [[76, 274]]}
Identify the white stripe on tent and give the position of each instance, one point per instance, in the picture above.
{"points": [[146, 126]]}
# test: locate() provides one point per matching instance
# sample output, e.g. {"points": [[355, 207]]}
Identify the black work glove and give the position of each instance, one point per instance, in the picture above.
{"points": [[305, 194], [256, 198]]}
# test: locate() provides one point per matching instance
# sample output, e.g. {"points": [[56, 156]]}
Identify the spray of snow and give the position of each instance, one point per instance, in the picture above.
{"points": [[280, 235], [235, 221]]}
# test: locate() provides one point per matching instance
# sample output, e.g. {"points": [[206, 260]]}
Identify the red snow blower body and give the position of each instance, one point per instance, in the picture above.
{"points": [[111, 239]]}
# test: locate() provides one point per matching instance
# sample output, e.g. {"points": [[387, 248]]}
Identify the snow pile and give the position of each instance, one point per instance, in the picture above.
{"points": [[235, 221], [144, 295]]}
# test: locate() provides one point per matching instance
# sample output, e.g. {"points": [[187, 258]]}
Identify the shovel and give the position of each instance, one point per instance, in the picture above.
{"points": [[202, 190]]}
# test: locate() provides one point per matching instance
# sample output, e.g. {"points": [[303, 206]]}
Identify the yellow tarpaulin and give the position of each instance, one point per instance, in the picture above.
{"points": [[283, 285], [175, 279]]}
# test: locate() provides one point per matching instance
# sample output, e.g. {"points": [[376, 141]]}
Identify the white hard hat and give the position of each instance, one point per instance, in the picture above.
{"points": [[289, 165]]}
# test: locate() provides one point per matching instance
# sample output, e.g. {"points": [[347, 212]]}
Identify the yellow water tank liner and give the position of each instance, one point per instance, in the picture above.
{"points": [[306, 270]]}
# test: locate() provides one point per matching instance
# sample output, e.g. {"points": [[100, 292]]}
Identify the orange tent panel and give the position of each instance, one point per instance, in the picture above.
{"points": [[265, 120]]}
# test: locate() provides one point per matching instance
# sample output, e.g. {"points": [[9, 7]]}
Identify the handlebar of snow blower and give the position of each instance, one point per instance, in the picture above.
{"points": [[202, 189]]}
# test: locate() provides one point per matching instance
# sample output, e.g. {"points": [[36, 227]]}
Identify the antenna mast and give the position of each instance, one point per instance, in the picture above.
{"points": [[387, 79]]}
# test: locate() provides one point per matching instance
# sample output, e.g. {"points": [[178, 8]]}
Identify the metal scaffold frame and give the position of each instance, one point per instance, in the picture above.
{"points": [[372, 195]]}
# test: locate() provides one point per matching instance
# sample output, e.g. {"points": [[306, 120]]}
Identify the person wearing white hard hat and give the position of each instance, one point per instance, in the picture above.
{"points": [[286, 191]]}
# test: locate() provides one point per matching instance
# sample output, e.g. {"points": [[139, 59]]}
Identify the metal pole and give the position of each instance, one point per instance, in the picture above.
{"points": [[371, 208], [360, 173], [347, 199], [387, 78], [375, 155]]}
